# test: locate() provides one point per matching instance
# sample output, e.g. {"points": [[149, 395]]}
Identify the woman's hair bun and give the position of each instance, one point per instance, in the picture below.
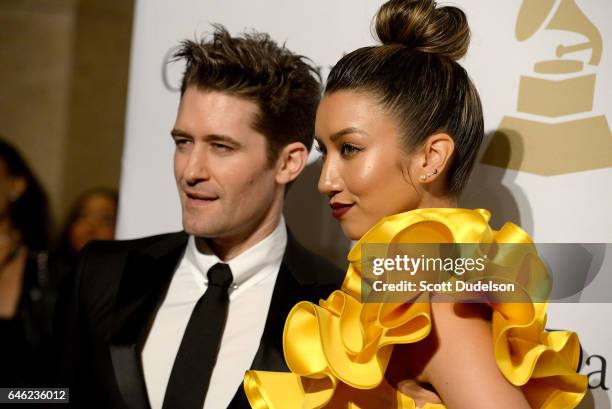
{"points": [[420, 25]]}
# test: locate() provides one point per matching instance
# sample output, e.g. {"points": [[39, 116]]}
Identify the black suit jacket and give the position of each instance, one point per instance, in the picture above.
{"points": [[106, 312]]}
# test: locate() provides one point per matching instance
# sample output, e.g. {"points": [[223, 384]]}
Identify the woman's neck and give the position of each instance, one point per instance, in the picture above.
{"points": [[6, 227], [9, 236], [438, 201]]}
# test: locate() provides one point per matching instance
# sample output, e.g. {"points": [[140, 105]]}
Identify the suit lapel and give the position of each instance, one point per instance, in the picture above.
{"points": [[269, 356], [293, 284], [144, 282]]}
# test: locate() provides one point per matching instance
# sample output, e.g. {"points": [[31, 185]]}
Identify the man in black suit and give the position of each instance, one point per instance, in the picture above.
{"points": [[174, 321]]}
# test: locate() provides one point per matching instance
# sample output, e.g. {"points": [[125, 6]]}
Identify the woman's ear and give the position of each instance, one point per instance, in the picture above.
{"points": [[436, 156], [291, 162], [18, 186]]}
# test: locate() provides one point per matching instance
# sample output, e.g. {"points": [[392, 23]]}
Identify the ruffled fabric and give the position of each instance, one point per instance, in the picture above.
{"points": [[338, 351]]}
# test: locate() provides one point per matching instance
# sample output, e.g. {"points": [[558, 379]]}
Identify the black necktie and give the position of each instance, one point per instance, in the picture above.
{"points": [[197, 354]]}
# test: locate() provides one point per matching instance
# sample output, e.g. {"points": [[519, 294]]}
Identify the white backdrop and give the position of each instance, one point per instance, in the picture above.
{"points": [[566, 207]]}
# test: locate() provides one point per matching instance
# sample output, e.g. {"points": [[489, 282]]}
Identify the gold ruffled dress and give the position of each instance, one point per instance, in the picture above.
{"points": [[338, 351]]}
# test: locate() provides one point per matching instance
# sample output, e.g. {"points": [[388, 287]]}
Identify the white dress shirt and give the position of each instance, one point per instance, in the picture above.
{"points": [[255, 272]]}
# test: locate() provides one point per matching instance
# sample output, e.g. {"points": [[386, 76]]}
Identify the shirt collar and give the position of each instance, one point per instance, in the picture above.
{"points": [[249, 265]]}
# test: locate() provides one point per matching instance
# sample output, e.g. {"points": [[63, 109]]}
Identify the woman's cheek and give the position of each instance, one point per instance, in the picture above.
{"points": [[365, 177]]}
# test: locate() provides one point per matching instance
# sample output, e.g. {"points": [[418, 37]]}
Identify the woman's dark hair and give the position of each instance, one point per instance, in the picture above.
{"points": [[415, 77], [30, 212]]}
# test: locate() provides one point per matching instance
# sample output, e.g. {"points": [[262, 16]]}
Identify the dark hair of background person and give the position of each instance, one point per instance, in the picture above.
{"points": [[415, 77], [26, 330], [64, 244], [285, 86], [30, 212]]}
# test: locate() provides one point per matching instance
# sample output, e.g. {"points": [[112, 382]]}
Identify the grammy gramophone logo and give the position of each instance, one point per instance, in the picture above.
{"points": [[548, 141]]}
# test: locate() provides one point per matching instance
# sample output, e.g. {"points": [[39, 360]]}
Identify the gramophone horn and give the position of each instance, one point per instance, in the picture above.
{"points": [[531, 16]]}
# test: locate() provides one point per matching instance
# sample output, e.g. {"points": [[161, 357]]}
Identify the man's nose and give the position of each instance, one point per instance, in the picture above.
{"points": [[196, 169], [330, 181]]}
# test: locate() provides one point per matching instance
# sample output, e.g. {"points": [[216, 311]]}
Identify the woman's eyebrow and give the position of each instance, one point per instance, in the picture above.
{"points": [[346, 131]]}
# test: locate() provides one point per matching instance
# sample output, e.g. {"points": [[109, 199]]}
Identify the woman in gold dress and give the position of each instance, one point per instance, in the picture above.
{"points": [[399, 128]]}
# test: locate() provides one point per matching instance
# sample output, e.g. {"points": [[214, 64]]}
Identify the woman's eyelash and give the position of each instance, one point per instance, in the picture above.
{"points": [[348, 149], [319, 148]]}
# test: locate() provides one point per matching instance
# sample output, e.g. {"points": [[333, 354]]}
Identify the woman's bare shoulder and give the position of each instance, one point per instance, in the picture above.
{"points": [[463, 365]]}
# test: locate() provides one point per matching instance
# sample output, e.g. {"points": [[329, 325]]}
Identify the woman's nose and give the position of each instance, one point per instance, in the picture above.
{"points": [[330, 181]]}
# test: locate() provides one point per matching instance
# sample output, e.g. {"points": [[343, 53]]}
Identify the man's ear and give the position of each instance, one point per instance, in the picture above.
{"points": [[18, 186], [291, 161], [435, 156]]}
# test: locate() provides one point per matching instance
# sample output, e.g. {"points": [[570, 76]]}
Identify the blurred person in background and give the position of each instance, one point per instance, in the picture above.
{"points": [[92, 217], [27, 287]]}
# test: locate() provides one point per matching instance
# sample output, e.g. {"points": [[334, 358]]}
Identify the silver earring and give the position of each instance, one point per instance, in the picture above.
{"points": [[430, 174]]}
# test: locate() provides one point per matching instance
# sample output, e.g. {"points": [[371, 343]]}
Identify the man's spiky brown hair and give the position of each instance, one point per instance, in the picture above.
{"points": [[285, 86]]}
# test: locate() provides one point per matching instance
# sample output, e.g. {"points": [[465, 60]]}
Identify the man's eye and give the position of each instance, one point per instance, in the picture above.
{"points": [[349, 150], [181, 142], [221, 147]]}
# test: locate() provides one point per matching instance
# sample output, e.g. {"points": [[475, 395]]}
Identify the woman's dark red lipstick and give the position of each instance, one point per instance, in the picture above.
{"points": [[338, 209]]}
